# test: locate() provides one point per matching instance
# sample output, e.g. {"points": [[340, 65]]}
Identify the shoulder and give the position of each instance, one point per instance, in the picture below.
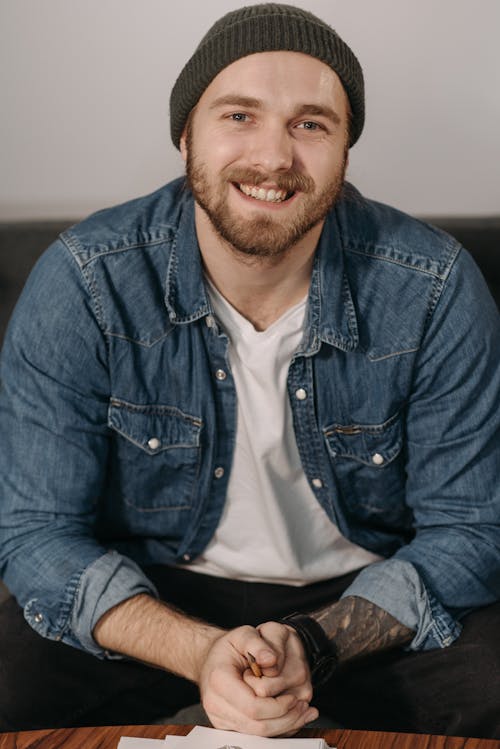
{"points": [[402, 274], [379, 232], [145, 221]]}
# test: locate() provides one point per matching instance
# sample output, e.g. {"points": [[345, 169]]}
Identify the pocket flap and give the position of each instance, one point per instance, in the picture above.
{"points": [[375, 445], [154, 428]]}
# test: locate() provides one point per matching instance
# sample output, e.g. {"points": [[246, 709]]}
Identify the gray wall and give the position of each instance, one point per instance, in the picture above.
{"points": [[84, 94]]}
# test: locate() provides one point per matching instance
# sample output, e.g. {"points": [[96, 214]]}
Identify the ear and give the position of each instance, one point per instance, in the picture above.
{"points": [[183, 144]]}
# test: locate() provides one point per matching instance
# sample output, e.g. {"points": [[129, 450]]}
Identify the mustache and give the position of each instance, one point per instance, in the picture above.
{"points": [[290, 181]]}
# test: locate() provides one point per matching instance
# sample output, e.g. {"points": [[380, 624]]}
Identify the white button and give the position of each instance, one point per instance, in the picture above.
{"points": [[317, 483], [186, 557], [220, 374], [154, 443], [210, 321], [377, 459], [301, 394], [219, 472], [38, 618]]}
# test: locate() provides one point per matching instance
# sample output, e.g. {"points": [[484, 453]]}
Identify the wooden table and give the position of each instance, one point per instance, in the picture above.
{"points": [[107, 738]]}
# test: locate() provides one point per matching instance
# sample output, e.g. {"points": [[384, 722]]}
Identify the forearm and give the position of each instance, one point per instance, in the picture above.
{"points": [[358, 627], [150, 631]]}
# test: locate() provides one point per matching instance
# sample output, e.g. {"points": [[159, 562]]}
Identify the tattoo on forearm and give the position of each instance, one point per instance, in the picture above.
{"points": [[358, 628]]}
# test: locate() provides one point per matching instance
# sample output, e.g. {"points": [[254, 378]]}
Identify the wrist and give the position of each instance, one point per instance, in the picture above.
{"points": [[202, 641], [319, 650]]}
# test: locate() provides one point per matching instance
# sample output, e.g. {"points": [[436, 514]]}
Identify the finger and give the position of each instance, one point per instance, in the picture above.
{"points": [[312, 714], [241, 706], [248, 640], [287, 724], [276, 637], [225, 685], [272, 687]]}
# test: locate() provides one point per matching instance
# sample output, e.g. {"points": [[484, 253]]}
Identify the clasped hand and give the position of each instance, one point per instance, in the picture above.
{"points": [[276, 703]]}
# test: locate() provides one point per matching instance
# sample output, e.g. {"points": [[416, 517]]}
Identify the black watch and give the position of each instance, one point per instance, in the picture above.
{"points": [[319, 650]]}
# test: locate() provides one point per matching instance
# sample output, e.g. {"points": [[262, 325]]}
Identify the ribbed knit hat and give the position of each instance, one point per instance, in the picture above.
{"points": [[265, 28]]}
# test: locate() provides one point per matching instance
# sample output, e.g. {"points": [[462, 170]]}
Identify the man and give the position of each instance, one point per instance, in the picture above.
{"points": [[243, 401]]}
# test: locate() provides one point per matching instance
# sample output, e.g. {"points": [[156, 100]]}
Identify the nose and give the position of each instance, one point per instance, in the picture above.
{"points": [[272, 149]]}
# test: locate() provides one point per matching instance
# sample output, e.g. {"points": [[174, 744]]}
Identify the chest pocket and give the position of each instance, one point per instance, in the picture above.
{"points": [[155, 456], [367, 460]]}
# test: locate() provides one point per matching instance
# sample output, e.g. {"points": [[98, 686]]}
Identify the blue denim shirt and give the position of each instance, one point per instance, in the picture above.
{"points": [[117, 406]]}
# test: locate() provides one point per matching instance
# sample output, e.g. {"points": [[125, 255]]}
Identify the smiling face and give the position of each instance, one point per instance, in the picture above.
{"points": [[266, 150]]}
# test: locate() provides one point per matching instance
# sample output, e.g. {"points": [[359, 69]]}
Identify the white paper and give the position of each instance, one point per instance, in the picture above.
{"points": [[211, 738], [137, 742]]}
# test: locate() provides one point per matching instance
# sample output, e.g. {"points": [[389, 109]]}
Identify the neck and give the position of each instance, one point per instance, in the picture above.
{"points": [[260, 288]]}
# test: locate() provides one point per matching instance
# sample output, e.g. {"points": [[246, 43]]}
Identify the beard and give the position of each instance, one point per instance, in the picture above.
{"points": [[262, 236]]}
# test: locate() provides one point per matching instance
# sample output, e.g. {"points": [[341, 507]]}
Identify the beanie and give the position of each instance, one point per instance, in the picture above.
{"points": [[265, 28]]}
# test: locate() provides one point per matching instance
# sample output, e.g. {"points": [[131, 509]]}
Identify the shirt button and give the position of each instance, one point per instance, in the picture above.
{"points": [[378, 459], [219, 472], [317, 483], [301, 394], [186, 557], [220, 374], [210, 321], [154, 443], [39, 618]]}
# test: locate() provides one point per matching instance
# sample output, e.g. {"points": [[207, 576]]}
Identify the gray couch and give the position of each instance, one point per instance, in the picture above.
{"points": [[22, 243]]}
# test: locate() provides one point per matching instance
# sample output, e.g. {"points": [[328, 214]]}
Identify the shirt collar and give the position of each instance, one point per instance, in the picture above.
{"points": [[332, 315], [185, 295], [331, 311]]}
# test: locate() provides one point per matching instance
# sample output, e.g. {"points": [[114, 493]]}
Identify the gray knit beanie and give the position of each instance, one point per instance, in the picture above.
{"points": [[265, 28]]}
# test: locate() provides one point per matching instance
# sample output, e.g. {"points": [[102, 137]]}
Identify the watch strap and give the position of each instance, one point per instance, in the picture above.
{"points": [[319, 650]]}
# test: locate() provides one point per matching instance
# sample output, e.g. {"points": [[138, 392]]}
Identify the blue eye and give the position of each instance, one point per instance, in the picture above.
{"points": [[309, 125], [239, 117]]}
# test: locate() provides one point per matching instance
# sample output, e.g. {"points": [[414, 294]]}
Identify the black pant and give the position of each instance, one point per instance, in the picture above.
{"points": [[454, 691]]}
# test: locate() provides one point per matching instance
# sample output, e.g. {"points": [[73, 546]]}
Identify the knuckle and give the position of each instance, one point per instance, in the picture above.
{"points": [[261, 690], [306, 693]]}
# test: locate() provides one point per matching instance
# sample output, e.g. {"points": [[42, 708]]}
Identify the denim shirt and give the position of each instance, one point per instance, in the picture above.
{"points": [[118, 412]]}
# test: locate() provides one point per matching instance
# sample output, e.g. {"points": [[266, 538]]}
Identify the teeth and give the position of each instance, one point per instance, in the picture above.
{"points": [[270, 196]]}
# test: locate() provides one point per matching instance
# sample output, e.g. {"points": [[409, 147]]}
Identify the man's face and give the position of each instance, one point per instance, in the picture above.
{"points": [[266, 150]]}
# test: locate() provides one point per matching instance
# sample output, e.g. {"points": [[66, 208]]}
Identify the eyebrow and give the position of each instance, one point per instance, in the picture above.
{"points": [[319, 110], [249, 102], [236, 100]]}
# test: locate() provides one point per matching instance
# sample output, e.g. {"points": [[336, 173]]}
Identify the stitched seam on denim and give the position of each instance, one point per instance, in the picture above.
{"points": [[93, 293], [154, 409], [164, 508], [368, 428], [97, 302], [181, 445], [172, 268], [77, 249], [144, 344], [438, 291], [395, 261], [88, 282], [396, 353]]}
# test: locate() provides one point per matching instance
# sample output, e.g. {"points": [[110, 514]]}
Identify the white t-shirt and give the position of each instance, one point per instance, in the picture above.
{"points": [[272, 529]]}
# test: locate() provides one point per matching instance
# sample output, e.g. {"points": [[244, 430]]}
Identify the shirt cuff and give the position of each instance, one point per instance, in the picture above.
{"points": [[395, 586], [105, 583]]}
